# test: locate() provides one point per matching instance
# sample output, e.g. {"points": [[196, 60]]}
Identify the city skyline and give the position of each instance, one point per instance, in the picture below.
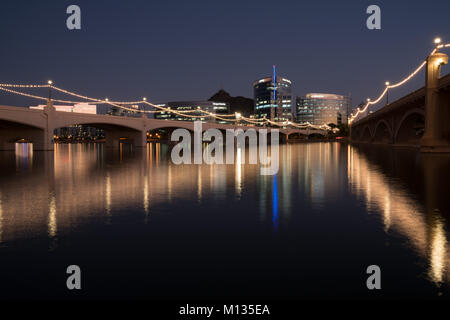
{"points": [[135, 56]]}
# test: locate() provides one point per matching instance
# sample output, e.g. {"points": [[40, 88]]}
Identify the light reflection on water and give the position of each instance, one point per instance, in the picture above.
{"points": [[24, 156], [1, 218], [422, 224], [53, 194]]}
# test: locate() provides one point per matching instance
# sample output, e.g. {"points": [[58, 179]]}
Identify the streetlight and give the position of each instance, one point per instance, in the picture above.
{"points": [[50, 82], [238, 116], [437, 41], [143, 106], [387, 92]]}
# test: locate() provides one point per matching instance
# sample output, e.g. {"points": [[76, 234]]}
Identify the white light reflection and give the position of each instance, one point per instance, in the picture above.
{"points": [[238, 172], [108, 193], [146, 200], [52, 223], [1, 218], [199, 183], [438, 252], [401, 213]]}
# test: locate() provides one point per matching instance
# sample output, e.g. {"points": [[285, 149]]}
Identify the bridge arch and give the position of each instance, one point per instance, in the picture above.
{"points": [[316, 133], [356, 134], [410, 128], [115, 133], [383, 132], [100, 122], [366, 134], [103, 126], [297, 135], [19, 131]]}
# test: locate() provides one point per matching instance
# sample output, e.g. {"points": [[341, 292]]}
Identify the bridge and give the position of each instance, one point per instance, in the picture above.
{"points": [[420, 119], [37, 127]]}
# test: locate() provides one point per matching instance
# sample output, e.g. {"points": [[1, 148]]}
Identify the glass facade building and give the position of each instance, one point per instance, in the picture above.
{"points": [[193, 108], [273, 100], [323, 108]]}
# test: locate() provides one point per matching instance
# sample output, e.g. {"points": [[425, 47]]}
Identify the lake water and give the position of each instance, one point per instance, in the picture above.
{"points": [[141, 227]]}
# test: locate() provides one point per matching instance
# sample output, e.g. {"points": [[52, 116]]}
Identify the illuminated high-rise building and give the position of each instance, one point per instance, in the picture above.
{"points": [[323, 108], [273, 98]]}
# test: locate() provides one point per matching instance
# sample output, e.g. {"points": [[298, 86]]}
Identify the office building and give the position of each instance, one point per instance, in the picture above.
{"points": [[273, 98], [323, 108]]}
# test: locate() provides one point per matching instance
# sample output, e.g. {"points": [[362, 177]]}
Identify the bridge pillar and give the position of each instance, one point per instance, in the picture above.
{"points": [[433, 139], [140, 139], [44, 141]]}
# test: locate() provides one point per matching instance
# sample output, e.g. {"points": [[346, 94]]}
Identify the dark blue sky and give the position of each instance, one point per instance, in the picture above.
{"points": [[182, 50]]}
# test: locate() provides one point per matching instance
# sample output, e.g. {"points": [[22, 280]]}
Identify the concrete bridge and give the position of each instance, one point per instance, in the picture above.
{"points": [[420, 119], [37, 126]]}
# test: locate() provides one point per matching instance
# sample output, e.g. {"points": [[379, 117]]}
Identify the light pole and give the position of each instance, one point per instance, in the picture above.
{"points": [[437, 41], [387, 92], [238, 117], [143, 106], [50, 82]]}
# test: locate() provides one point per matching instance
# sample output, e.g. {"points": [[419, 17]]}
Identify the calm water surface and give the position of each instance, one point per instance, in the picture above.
{"points": [[141, 227]]}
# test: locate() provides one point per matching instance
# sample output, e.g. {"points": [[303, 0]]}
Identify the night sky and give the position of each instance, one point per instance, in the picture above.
{"points": [[188, 50]]}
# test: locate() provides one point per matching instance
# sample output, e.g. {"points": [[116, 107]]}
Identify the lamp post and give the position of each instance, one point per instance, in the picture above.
{"points": [[50, 82], [143, 106], [387, 92], [238, 117], [437, 41]]}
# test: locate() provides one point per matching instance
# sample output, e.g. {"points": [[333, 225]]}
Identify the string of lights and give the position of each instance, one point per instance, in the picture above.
{"points": [[123, 105], [106, 101], [34, 96], [224, 117], [24, 85], [144, 101], [69, 101], [398, 84], [161, 109], [90, 98]]}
